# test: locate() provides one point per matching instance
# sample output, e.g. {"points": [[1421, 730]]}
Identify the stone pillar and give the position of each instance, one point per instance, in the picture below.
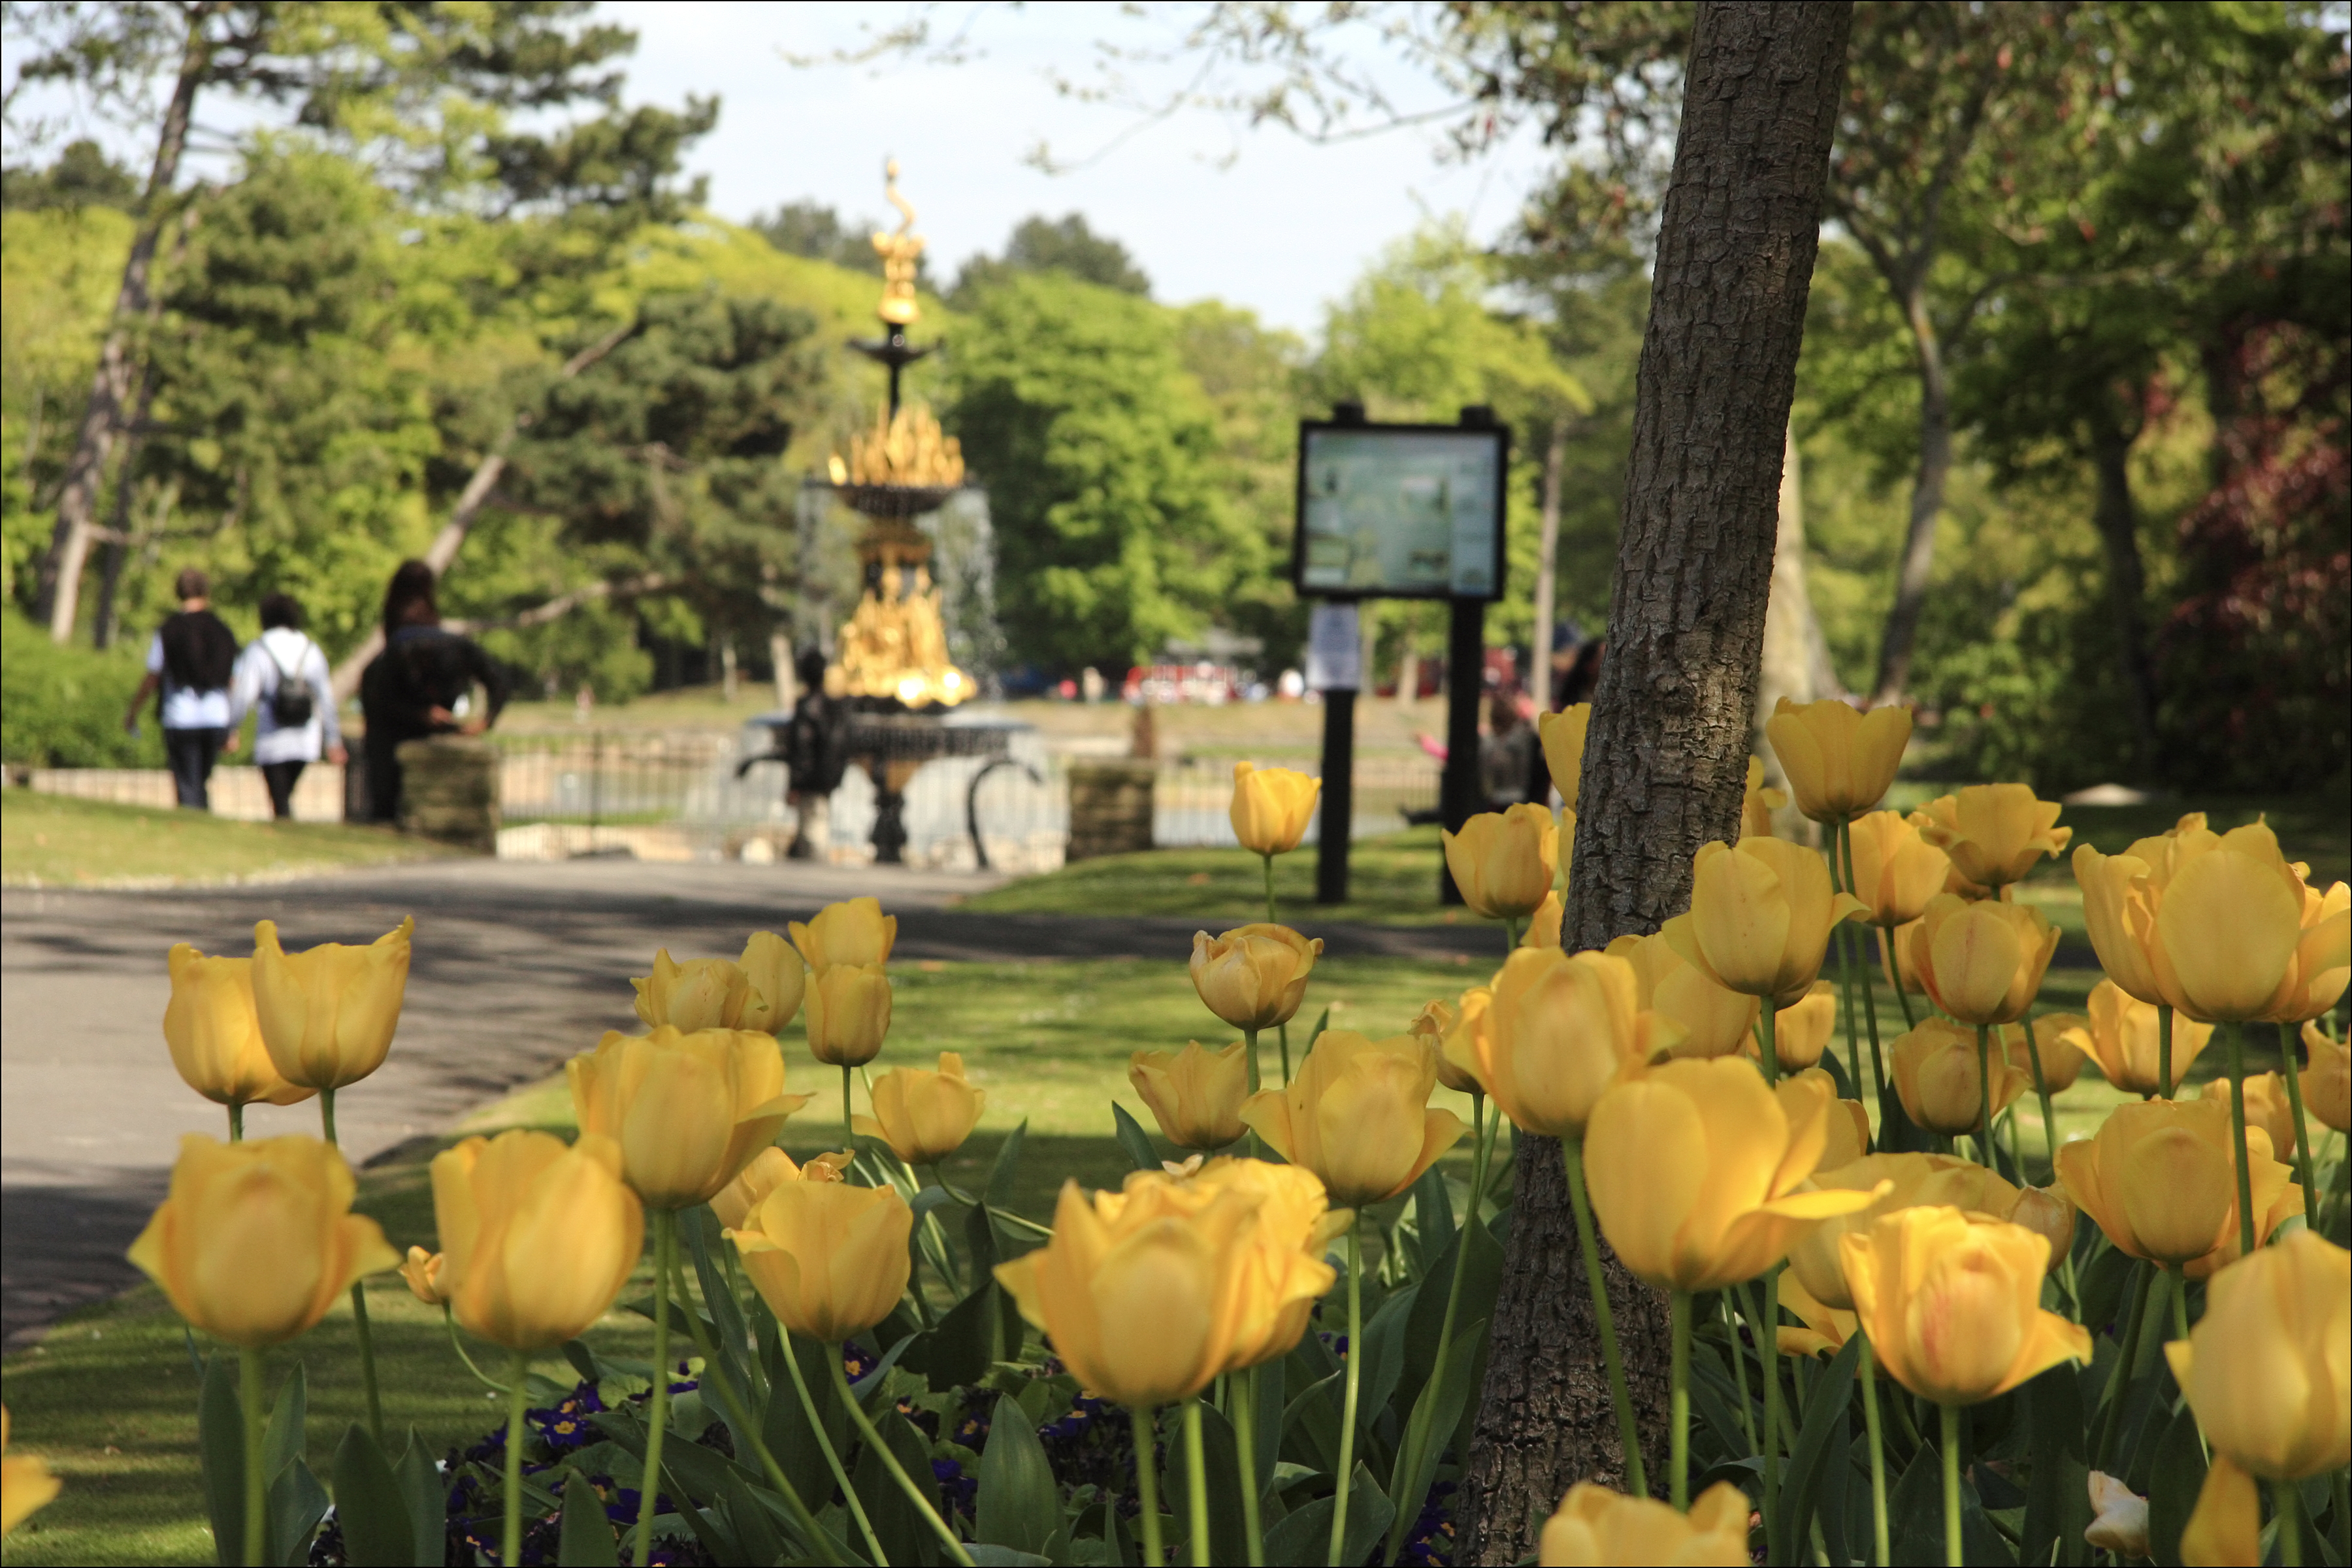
{"points": [[1111, 807], [449, 791]]}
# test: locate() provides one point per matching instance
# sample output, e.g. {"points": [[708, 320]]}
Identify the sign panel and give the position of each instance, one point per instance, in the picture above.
{"points": [[1335, 649], [1400, 512]]}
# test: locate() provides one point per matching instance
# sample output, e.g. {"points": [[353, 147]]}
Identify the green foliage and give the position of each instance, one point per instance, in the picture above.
{"points": [[82, 176], [1040, 244], [62, 707]]}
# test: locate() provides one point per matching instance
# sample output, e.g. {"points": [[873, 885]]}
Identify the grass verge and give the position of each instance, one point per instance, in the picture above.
{"points": [[56, 841]]}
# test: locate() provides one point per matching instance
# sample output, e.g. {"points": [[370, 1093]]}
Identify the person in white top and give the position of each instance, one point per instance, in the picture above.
{"points": [[282, 677], [190, 660]]}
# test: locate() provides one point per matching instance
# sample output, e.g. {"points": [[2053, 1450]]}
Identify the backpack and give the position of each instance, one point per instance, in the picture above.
{"points": [[291, 706]]}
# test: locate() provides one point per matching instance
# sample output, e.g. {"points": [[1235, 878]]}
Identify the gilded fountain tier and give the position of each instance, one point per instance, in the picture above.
{"points": [[895, 646]]}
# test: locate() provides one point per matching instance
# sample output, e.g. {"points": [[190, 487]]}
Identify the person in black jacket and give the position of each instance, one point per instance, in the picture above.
{"points": [[815, 754], [192, 658], [415, 687]]}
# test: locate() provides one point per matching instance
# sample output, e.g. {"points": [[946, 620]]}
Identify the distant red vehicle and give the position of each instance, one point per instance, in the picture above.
{"points": [[1210, 684]]}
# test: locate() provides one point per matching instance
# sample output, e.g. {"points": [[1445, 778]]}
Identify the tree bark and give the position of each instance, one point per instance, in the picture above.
{"points": [[1787, 666], [1547, 566], [1927, 501], [2117, 519], [1665, 760], [58, 586]]}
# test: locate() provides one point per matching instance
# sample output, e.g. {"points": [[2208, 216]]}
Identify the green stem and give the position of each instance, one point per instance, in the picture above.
{"points": [[1678, 1318], [1768, 1359], [1282, 1033], [1510, 936], [237, 1122], [658, 1402], [1354, 1385], [1251, 1037], [251, 1392], [2288, 1047], [1841, 881], [1725, 1299], [1571, 1156], [2164, 1051], [1147, 1485], [2238, 1137], [327, 1116], [2284, 1510], [2119, 1385], [359, 1299], [449, 1321], [1884, 1555], [1894, 978], [1267, 861], [1868, 981], [517, 1397], [825, 1442], [1245, 1450], [1952, 1554], [1197, 1480], [847, 1132], [2042, 1091], [890, 1462], [2178, 1277], [1769, 1047], [1984, 1100]]}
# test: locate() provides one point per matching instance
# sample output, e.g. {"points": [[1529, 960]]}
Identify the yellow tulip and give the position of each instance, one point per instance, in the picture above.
{"points": [[1938, 1079], [2228, 925], [2265, 1368], [1254, 977], [1983, 962], [328, 1015], [25, 1485], [2121, 1525], [2159, 1178], [1136, 1289], [687, 1111], [1801, 1031], [1281, 1273], [1596, 1528], [215, 1036], [2267, 1107], [1435, 1023], [258, 1239], [1695, 1168], [1951, 1302], [1272, 807], [2049, 1213], [855, 931], [1504, 861], [1895, 871], [1840, 762], [426, 1275], [537, 1239], [1899, 1181], [1562, 735], [1195, 1094], [924, 1116], [1849, 1125], [1757, 805], [2123, 1036], [779, 980], [1463, 1046], [1555, 1033], [1543, 926], [830, 1259], [770, 1169], [759, 991], [1714, 1022], [2119, 899], [1357, 1115], [1760, 916], [1995, 834], [2328, 1081], [2058, 1039], [2225, 1529], [1895, 959], [2322, 966], [1826, 1328], [848, 1013]]}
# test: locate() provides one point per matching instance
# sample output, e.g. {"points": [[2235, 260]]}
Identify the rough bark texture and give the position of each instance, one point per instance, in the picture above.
{"points": [[1666, 761], [1546, 568]]}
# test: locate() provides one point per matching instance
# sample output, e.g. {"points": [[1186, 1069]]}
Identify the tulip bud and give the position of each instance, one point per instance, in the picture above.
{"points": [[2159, 1178], [1543, 926], [848, 1013], [1194, 1094], [2121, 1526], [1562, 736], [1840, 760], [1357, 1115], [1733, 1207], [2049, 1213], [216, 1037], [700, 994], [1504, 862], [258, 1239], [853, 931], [1596, 1528], [1556, 1032], [1254, 977], [2316, 977], [777, 978], [26, 1484], [1995, 834], [924, 1116], [686, 1111], [1848, 1137], [1714, 1022], [1464, 1045], [424, 1271], [830, 1259], [1983, 962], [1434, 1023], [1939, 1080], [2225, 1528], [2265, 1368], [1951, 1302], [1895, 871], [769, 1169], [1802, 1030], [2228, 925], [2328, 1081], [1899, 1181], [2057, 1039], [2267, 1107], [327, 1014], [1272, 807], [1760, 916], [1756, 807], [537, 1239], [2124, 1036]]}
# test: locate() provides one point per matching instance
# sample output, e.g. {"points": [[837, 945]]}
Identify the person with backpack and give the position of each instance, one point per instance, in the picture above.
{"points": [[416, 687], [282, 677], [192, 658]]}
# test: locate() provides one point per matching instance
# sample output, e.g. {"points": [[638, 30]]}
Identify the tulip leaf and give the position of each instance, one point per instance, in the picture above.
{"points": [[424, 1496], [1435, 1413], [904, 1538], [1314, 1415], [1133, 1139], [1433, 1222], [584, 1360], [979, 1248], [985, 1556], [282, 1444], [1020, 1505], [1305, 1537], [1422, 1334], [1827, 1411], [297, 1503], [731, 1333], [1221, 1470], [791, 1439], [587, 1540], [753, 1528], [2106, 1283], [2172, 1488], [961, 1350], [870, 1386], [999, 1191], [2057, 1500], [1383, 1357], [1322, 1022], [369, 1507], [1915, 1510], [220, 1442]]}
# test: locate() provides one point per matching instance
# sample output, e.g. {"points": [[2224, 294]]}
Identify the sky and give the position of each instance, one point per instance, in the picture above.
{"points": [[1208, 207]]}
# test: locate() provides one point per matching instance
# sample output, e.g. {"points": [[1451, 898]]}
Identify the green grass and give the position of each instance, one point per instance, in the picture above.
{"points": [[1392, 880], [56, 841]]}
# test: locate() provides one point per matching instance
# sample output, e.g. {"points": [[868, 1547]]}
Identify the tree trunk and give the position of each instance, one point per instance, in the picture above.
{"points": [[59, 582], [1926, 500], [2118, 523], [1786, 668], [1547, 566], [1666, 761]]}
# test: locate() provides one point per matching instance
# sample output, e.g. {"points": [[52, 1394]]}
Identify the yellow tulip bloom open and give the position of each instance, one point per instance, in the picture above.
{"points": [[2058, 1039], [425, 1274], [537, 1239], [830, 1259], [2122, 1035], [1562, 738], [2265, 1368], [1556, 1032], [1995, 834], [2159, 1178], [1358, 1115], [214, 1036], [258, 1239], [848, 1013], [1715, 1021], [1696, 1167], [1254, 977], [2230, 926], [1440, 1019], [1596, 1528], [2225, 1529], [1938, 1077], [923, 1115], [2267, 1107], [1952, 1303], [328, 1014], [1802, 1030], [1504, 861], [770, 1169], [855, 931], [1900, 1182], [1281, 1274], [1760, 916], [1194, 1094], [761, 989], [1895, 871], [1757, 805], [687, 1111], [2328, 1081], [1838, 761], [1272, 807], [1983, 962]]}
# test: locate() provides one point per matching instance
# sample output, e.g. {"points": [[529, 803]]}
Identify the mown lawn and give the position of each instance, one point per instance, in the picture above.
{"points": [[55, 841]]}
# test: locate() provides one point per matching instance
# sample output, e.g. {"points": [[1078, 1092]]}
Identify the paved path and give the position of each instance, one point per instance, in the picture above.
{"points": [[517, 965]]}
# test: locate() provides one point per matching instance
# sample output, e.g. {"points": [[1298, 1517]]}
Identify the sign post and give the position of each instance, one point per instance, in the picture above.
{"points": [[1335, 660]]}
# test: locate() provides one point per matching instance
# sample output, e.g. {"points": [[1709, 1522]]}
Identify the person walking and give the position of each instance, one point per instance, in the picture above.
{"points": [[415, 687], [282, 677], [192, 658]]}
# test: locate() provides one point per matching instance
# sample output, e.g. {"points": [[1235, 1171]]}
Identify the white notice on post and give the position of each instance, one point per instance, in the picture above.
{"points": [[1335, 649]]}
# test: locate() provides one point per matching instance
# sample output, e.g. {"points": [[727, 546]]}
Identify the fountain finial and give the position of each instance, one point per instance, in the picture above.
{"points": [[900, 252]]}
